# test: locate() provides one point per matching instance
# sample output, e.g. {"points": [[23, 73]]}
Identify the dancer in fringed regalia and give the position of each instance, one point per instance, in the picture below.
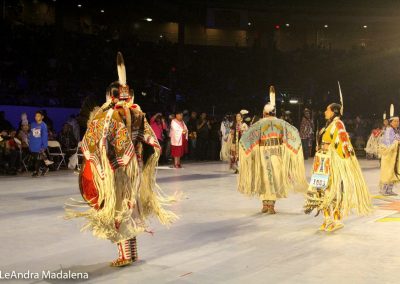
{"points": [[337, 184], [239, 127], [225, 130], [117, 178], [374, 141], [271, 159], [390, 160]]}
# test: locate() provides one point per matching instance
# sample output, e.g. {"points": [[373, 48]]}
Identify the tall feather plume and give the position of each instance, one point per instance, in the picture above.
{"points": [[272, 96], [391, 110], [384, 115], [121, 69], [341, 99]]}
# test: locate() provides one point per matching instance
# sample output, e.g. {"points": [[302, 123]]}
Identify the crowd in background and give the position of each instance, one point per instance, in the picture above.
{"points": [[39, 67], [203, 136], [17, 149]]}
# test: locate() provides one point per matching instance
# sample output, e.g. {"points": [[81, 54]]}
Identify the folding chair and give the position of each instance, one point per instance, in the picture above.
{"points": [[54, 150], [80, 155], [21, 154]]}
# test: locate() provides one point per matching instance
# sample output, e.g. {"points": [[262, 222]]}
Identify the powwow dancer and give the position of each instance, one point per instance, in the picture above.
{"points": [[271, 159], [239, 127], [225, 130], [389, 150], [337, 184], [374, 141], [117, 178]]}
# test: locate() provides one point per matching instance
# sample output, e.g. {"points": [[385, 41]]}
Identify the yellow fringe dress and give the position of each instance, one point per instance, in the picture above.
{"points": [[345, 189]]}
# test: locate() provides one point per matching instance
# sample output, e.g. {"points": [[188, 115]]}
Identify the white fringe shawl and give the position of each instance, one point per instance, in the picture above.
{"points": [[253, 179], [347, 190]]}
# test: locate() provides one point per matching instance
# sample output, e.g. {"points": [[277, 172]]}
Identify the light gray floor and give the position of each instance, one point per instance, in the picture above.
{"points": [[220, 238]]}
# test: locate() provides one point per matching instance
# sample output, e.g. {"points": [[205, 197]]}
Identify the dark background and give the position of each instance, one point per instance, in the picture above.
{"points": [[54, 53]]}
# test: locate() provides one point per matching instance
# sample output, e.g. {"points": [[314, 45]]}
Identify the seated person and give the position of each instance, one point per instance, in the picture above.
{"points": [[67, 140]]}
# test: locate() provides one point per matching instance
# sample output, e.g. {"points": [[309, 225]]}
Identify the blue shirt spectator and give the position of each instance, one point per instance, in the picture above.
{"points": [[38, 136]]}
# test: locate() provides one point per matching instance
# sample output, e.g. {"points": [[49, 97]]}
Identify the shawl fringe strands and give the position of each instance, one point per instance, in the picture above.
{"points": [[225, 154], [373, 144], [347, 189], [128, 194], [152, 198], [255, 174]]}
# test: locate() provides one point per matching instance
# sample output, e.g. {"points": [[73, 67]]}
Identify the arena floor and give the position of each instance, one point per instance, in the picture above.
{"points": [[220, 238]]}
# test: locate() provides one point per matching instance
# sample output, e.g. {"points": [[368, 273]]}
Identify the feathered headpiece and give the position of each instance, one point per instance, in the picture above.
{"points": [[391, 113], [341, 99], [270, 107], [384, 115], [24, 119], [123, 92], [244, 112]]}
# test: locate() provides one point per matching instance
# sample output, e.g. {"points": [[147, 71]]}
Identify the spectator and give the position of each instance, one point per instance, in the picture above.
{"points": [[3, 141], [52, 135], [157, 123], [67, 140], [179, 139], [359, 134], [167, 151], [203, 134], [192, 128], [38, 139], [24, 120], [215, 140], [75, 127], [287, 116], [186, 116], [11, 153], [4, 123], [23, 135], [47, 120], [307, 133]]}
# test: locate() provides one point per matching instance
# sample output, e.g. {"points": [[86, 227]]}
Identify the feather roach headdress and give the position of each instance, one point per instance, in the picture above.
{"points": [[341, 99], [120, 89], [391, 113], [270, 107]]}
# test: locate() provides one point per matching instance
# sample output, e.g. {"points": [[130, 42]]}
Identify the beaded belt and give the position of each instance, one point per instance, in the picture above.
{"points": [[271, 142]]}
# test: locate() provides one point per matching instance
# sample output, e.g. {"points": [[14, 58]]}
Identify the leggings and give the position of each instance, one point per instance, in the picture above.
{"points": [[39, 161]]}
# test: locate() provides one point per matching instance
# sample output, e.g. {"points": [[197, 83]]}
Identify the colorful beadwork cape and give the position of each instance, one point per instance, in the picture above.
{"points": [[118, 176], [271, 160]]}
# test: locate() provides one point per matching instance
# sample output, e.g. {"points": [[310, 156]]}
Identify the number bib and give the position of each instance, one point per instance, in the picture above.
{"points": [[321, 171], [319, 181]]}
